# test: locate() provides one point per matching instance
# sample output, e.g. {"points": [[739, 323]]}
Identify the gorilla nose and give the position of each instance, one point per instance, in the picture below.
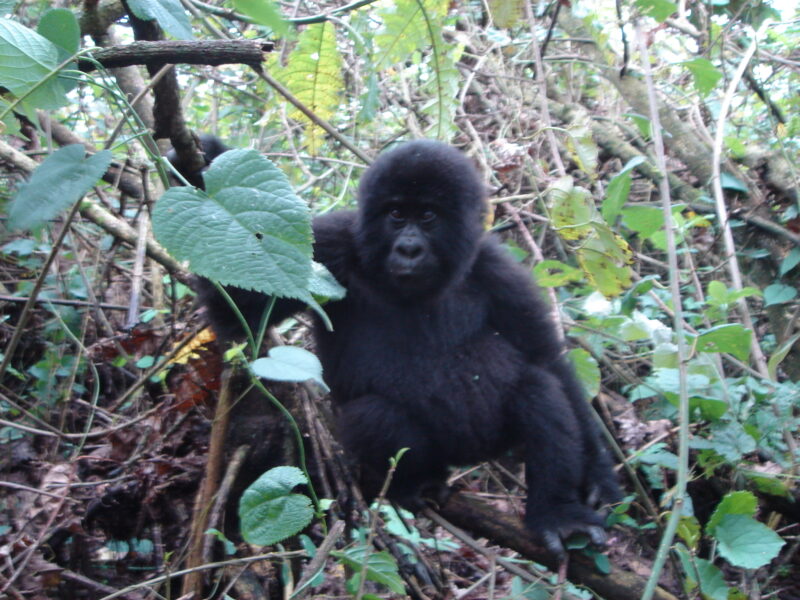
{"points": [[409, 248]]}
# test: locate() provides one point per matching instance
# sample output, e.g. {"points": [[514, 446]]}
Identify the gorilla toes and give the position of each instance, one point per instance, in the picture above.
{"points": [[555, 527]]}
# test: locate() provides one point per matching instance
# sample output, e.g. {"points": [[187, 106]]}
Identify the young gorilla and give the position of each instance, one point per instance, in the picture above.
{"points": [[443, 345]]}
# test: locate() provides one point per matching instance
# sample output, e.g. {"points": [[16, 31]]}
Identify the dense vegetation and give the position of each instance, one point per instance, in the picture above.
{"points": [[677, 293]]}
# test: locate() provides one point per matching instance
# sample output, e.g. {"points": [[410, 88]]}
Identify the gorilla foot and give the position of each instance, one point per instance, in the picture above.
{"points": [[553, 529]]}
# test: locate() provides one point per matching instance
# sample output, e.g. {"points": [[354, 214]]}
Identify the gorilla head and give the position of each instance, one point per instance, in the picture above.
{"points": [[420, 210]]}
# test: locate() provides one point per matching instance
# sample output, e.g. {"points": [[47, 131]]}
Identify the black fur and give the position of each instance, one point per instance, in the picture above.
{"points": [[444, 345], [211, 147]]}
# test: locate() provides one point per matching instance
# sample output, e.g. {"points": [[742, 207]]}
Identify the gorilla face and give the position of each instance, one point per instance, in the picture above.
{"points": [[420, 210], [412, 263]]}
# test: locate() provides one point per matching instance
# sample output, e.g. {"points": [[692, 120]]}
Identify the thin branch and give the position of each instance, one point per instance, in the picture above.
{"points": [[678, 326], [722, 209]]}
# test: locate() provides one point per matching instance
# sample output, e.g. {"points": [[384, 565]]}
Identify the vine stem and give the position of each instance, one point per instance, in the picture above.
{"points": [[677, 324], [719, 200]]}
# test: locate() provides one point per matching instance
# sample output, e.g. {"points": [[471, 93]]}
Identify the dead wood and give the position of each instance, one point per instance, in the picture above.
{"points": [[483, 520]]}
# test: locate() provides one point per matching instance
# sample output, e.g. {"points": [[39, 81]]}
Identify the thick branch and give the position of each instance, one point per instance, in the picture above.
{"points": [[501, 529], [206, 52]]}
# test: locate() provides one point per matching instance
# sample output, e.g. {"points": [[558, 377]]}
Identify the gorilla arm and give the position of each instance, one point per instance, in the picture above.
{"points": [[522, 317]]}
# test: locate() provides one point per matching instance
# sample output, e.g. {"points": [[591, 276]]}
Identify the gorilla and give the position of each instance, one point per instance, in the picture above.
{"points": [[443, 345], [210, 146]]}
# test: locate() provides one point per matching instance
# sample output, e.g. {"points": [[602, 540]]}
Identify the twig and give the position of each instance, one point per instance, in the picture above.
{"points": [[320, 122], [678, 326], [231, 472], [473, 543], [541, 81], [138, 270], [66, 302], [373, 525], [722, 209], [316, 564], [206, 567], [193, 582]]}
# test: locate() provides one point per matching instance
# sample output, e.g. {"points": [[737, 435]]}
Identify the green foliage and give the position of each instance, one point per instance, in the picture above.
{"points": [[408, 25], [60, 181], [230, 547], [582, 147], [660, 10], [60, 26], [618, 190], [779, 293], [289, 363], [746, 543], [705, 74], [587, 370], [721, 299], [269, 512], [258, 229], [505, 13], [381, 568], [28, 67], [733, 503], [411, 27], [731, 338], [780, 353], [314, 75], [603, 256], [554, 273], [170, 15], [264, 12], [790, 262], [703, 574]]}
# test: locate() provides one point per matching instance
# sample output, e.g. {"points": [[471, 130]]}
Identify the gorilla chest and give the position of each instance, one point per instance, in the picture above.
{"points": [[416, 353]]}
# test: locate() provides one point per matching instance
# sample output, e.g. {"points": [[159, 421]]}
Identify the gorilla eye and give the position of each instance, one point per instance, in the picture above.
{"points": [[428, 216], [396, 214]]}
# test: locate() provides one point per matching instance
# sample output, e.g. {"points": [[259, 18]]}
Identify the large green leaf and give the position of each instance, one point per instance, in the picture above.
{"points": [[705, 74], [289, 363], [170, 14], [790, 262], [407, 28], [603, 256], [780, 353], [572, 209], [746, 543], [381, 567], [779, 293], [732, 338], [314, 75], [26, 59], [587, 370], [734, 503], [618, 190], [269, 512], [505, 13], [60, 26], [248, 229], [60, 181]]}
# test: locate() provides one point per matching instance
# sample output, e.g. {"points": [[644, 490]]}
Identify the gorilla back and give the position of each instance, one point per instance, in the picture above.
{"points": [[443, 345]]}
